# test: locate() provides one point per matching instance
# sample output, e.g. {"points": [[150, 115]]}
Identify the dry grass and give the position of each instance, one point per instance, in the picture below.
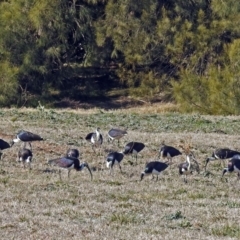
{"points": [[144, 108], [37, 205]]}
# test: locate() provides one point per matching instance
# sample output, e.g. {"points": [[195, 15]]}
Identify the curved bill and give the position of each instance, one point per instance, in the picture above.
{"points": [[86, 165]]}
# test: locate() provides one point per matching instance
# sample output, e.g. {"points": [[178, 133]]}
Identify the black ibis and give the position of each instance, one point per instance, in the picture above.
{"points": [[233, 165], [186, 168], [26, 137], [72, 152], [168, 152], [95, 138], [3, 145], [113, 158], [133, 148], [154, 168], [115, 133], [25, 156], [69, 163], [222, 154]]}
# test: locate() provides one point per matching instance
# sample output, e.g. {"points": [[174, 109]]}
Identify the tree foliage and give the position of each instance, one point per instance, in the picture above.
{"points": [[46, 40], [209, 82], [78, 47]]}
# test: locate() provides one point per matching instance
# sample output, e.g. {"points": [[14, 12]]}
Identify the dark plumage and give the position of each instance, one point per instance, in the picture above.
{"points": [[89, 136], [69, 163], [222, 154], [133, 148], [115, 133], [25, 156], [168, 152], [233, 165], [3, 145], [112, 159], [72, 152], [95, 138], [26, 137], [155, 167]]}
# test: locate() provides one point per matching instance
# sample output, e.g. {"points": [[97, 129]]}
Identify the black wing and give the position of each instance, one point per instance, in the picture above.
{"points": [[224, 153], [89, 136], [128, 148], [4, 144], [235, 161], [116, 133], [111, 157], [64, 162], [28, 136], [159, 166], [119, 156], [171, 150], [148, 168], [138, 146]]}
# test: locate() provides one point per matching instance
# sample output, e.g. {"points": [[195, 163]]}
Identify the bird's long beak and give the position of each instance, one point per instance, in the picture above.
{"points": [[11, 143], [86, 165], [224, 171], [207, 160]]}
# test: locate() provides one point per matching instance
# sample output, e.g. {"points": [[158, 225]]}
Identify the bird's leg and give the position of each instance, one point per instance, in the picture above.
{"points": [[185, 178], [238, 176], [220, 163], [152, 177], [29, 165], [30, 145], [24, 145], [100, 151], [120, 168], [225, 164], [1, 155], [206, 166], [69, 173], [93, 148], [136, 159], [59, 172], [111, 169]]}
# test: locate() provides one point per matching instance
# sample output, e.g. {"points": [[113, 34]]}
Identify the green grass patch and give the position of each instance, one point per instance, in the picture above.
{"points": [[125, 218], [228, 230]]}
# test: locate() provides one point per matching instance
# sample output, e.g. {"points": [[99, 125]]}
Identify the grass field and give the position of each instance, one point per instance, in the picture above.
{"points": [[37, 205]]}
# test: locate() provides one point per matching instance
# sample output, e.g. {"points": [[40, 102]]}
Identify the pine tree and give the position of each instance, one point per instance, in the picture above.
{"points": [[48, 42]]}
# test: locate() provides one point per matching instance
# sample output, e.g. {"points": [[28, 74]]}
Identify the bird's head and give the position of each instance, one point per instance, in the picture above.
{"points": [[224, 171], [73, 153], [142, 176], [11, 143], [125, 151]]}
